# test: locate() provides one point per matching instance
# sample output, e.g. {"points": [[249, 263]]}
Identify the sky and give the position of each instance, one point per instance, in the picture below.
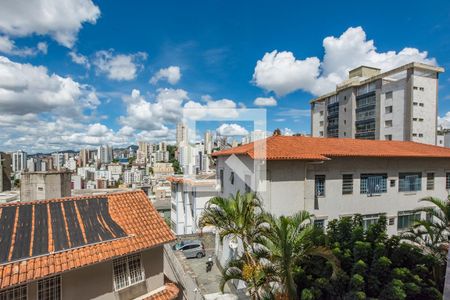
{"points": [[82, 73]]}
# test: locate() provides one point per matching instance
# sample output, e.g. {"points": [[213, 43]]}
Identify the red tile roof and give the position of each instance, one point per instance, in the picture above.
{"points": [[169, 292], [312, 148], [139, 227]]}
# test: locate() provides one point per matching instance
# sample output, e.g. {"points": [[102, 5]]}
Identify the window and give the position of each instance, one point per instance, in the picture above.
{"points": [[221, 180], [415, 103], [392, 182], [321, 123], [127, 271], [248, 179], [388, 123], [232, 177], [373, 183], [345, 121], [321, 133], [388, 109], [388, 137], [447, 181], [406, 219], [370, 220], [319, 184], [421, 89], [421, 104], [16, 293], [430, 181], [415, 87], [321, 112], [49, 288], [414, 119], [420, 134], [347, 184], [409, 182], [388, 95], [319, 223]]}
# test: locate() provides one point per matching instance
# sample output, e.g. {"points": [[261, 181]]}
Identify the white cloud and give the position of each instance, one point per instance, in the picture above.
{"points": [[287, 131], [79, 59], [120, 66], [25, 88], [265, 101], [223, 108], [61, 19], [282, 73], [8, 46], [231, 130], [172, 74], [444, 121]]}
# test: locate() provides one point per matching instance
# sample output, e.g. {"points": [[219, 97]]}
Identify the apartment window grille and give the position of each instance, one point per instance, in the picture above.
{"points": [[369, 220], [49, 288], [410, 182], [392, 182], [127, 271], [319, 185], [15, 293], [372, 184], [447, 181], [388, 109], [406, 219], [388, 95], [347, 184], [430, 181]]}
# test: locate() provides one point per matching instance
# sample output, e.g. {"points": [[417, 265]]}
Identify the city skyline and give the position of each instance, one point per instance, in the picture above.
{"points": [[72, 85]]}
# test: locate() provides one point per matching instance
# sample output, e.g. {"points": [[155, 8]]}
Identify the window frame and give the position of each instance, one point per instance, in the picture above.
{"points": [[127, 259], [9, 293], [364, 187], [430, 181], [447, 180], [407, 213], [48, 279], [318, 178], [402, 185], [349, 190]]}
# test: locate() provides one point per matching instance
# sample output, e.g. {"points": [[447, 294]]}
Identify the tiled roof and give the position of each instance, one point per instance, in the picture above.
{"points": [[53, 236], [169, 292], [313, 148]]}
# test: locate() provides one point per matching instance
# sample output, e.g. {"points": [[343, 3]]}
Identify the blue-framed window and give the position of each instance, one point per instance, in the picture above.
{"points": [[373, 184], [319, 185], [409, 182]]}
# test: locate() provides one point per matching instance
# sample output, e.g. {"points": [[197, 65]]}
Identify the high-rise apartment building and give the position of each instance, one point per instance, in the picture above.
{"points": [[104, 154], [208, 142], [181, 133], [400, 104], [84, 157], [19, 161], [144, 152], [5, 172]]}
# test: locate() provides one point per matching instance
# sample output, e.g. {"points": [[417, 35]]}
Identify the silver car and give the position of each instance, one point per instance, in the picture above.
{"points": [[191, 249]]}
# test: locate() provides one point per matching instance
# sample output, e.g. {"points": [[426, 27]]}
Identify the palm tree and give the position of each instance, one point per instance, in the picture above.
{"points": [[288, 241], [432, 234], [239, 217]]}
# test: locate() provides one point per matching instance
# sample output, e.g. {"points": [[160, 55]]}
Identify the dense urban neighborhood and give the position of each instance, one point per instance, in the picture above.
{"points": [[182, 150]]}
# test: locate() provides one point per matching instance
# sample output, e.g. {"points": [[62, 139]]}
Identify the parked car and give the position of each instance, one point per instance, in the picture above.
{"points": [[191, 249]]}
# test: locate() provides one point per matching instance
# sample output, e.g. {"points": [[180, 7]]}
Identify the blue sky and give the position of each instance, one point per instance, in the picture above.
{"points": [[101, 51]]}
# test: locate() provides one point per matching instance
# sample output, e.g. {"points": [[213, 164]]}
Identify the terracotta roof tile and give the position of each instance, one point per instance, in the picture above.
{"points": [[131, 211], [169, 292], [312, 148]]}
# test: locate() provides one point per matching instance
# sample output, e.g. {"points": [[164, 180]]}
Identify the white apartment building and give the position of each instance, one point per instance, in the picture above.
{"points": [[116, 171], [104, 154], [181, 133], [58, 160], [331, 178], [189, 197], [400, 104], [19, 161], [133, 176], [71, 164]]}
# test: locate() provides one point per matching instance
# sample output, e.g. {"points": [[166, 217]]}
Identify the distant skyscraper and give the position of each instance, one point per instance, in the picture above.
{"points": [[182, 133], [104, 154], [58, 160], [5, 172], [144, 152], [19, 161], [208, 142], [84, 157]]}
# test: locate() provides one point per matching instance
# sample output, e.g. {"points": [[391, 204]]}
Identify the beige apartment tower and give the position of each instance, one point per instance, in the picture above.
{"points": [[400, 104]]}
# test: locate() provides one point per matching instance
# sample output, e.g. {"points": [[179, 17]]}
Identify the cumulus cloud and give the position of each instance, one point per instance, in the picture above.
{"points": [[61, 19], [172, 74], [265, 101], [444, 121], [223, 108], [8, 46], [282, 73], [25, 88], [231, 130], [79, 59], [120, 66]]}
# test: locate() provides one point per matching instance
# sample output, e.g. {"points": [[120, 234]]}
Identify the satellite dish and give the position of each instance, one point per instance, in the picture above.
{"points": [[233, 244]]}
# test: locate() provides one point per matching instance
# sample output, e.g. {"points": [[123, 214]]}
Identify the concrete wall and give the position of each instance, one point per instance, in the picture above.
{"points": [[45, 185], [287, 192], [318, 119], [96, 281]]}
